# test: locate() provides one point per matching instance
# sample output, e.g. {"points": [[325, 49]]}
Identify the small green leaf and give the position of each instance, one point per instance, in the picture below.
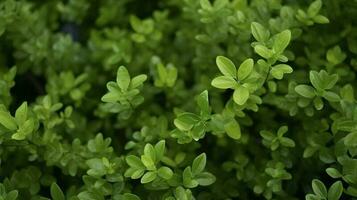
{"points": [[123, 78], [241, 95], [281, 41], [314, 8], [279, 70], [331, 96], [334, 173], [21, 113], [226, 66], [148, 177], [316, 80], [137, 81], [7, 121], [233, 129], [203, 103], [149, 151], [319, 188], [56, 192], [134, 161], [320, 19], [223, 82], [260, 33], [287, 142], [351, 139], [263, 51], [245, 69], [335, 191], [199, 164], [205, 178], [160, 149], [165, 173], [305, 91]]}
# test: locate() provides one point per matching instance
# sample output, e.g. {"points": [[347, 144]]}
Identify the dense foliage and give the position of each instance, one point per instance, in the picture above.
{"points": [[178, 99]]}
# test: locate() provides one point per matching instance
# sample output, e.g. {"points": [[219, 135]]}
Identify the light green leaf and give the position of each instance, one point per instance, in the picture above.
{"points": [[205, 178], [245, 69], [223, 82], [7, 121], [314, 8], [134, 161], [137, 81], [233, 129], [279, 70], [165, 173], [199, 164], [335, 191], [331, 96], [351, 139], [226, 66], [21, 113], [160, 149], [260, 33], [56, 192], [281, 41], [241, 95], [203, 103], [305, 91], [319, 188], [148, 177], [334, 173], [263, 51], [123, 78]]}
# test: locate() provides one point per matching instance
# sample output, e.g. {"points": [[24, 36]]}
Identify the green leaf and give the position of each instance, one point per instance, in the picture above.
{"points": [[185, 121], [279, 70], [319, 188], [316, 80], [331, 96], [148, 177], [320, 19], [314, 8], [335, 191], [165, 173], [351, 139], [223, 82], [245, 69], [305, 91], [263, 51], [226, 66], [334, 173], [138, 81], [241, 95], [160, 149], [128, 196], [203, 103], [199, 164], [281, 41], [123, 78], [56, 192], [150, 151], [259, 32], [7, 121], [134, 161], [21, 113], [205, 178], [287, 142], [233, 129]]}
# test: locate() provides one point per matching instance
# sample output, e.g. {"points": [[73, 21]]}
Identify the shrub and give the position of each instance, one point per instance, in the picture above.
{"points": [[178, 99]]}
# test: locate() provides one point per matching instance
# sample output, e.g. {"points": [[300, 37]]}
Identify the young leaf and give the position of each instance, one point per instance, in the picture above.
{"points": [[226, 66], [148, 177], [245, 69], [259, 32], [281, 41], [56, 192], [241, 95], [165, 173], [233, 129], [305, 91], [279, 70], [319, 188], [199, 164], [223, 82], [123, 78], [335, 191], [7, 121]]}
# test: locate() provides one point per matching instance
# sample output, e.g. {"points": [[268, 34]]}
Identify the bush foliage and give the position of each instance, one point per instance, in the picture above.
{"points": [[178, 99]]}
